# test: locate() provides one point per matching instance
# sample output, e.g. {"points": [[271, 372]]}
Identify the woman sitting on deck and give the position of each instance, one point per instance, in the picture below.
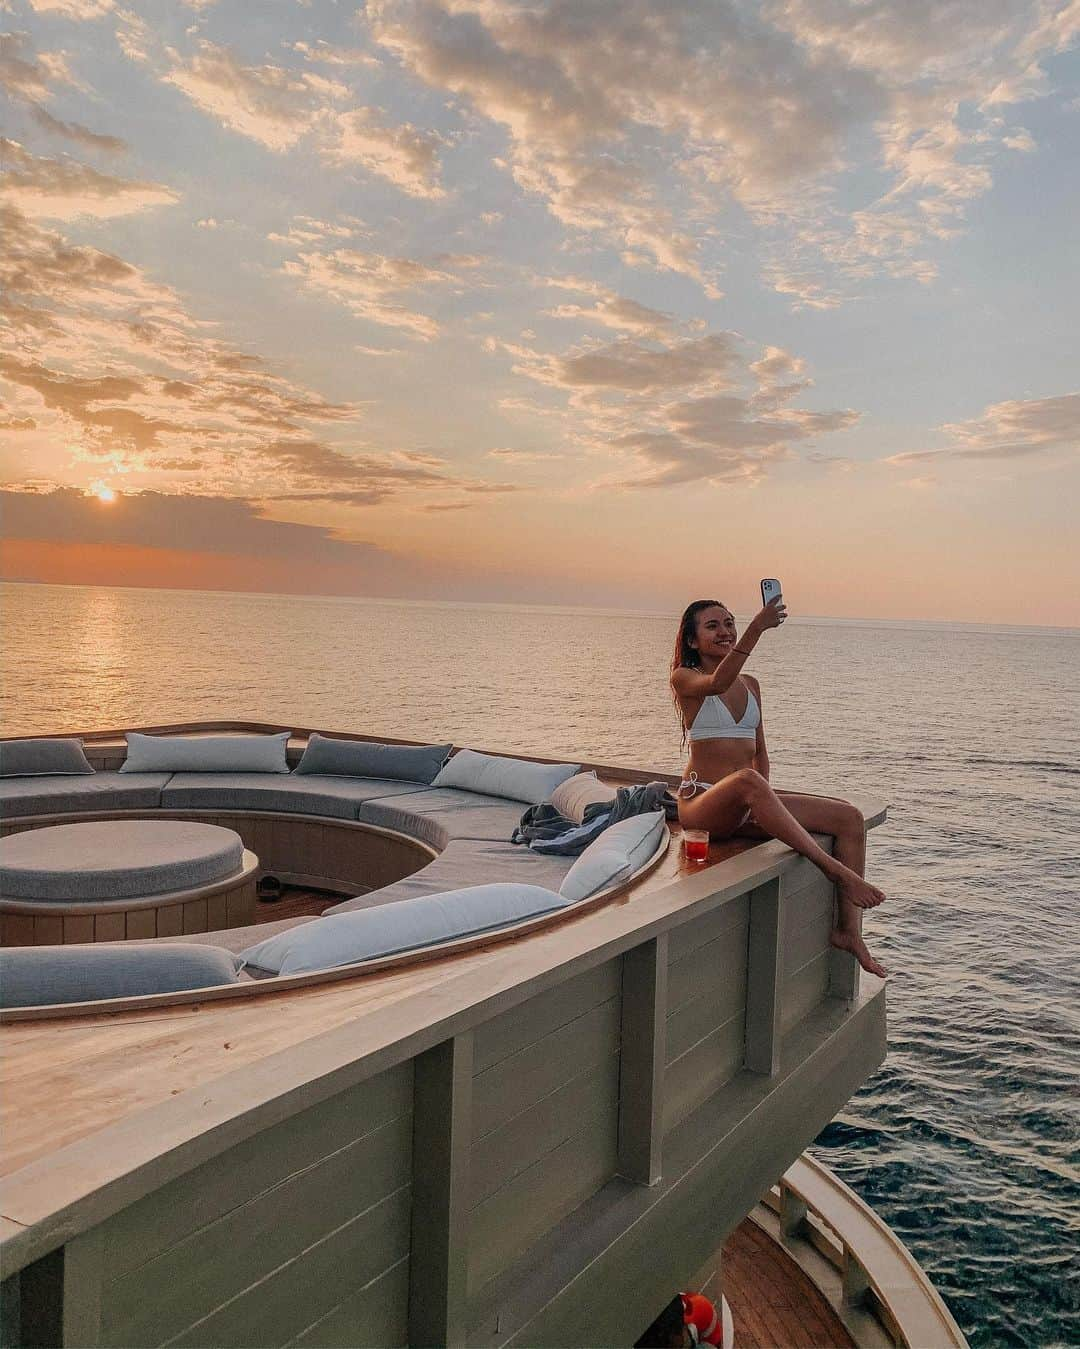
{"points": [[726, 785]]}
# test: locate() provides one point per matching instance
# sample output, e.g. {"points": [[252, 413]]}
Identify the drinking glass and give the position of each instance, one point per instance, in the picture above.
{"points": [[696, 844]]}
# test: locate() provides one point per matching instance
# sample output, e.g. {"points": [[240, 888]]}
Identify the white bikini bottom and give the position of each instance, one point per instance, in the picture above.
{"points": [[689, 787]]}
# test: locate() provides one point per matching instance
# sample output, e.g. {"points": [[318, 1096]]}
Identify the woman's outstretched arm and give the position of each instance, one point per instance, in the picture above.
{"points": [[689, 683]]}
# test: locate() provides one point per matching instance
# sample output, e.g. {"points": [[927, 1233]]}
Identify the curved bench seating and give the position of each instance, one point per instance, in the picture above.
{"points": [[106, 789], [304, 794], [439, 815], [423, 840], [467, 862]]}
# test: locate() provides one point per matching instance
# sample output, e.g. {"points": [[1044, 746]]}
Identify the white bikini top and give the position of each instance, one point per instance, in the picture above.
{"points": [[715, 722]]}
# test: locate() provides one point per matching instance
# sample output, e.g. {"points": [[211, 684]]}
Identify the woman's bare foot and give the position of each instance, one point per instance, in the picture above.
{"points": [[845, 940], [859, 892]]}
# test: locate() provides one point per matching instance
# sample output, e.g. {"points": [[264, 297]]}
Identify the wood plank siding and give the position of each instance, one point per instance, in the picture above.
{"points": [[272, 1237]]}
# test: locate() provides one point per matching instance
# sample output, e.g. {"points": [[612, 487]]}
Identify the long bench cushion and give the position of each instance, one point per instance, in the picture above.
{"points": [[440, 814], [518, 779], [32, 976], [467, 862], [311, 794], [206, 753], [411, 925], [38, 758], [107, 790], [367, 759]]}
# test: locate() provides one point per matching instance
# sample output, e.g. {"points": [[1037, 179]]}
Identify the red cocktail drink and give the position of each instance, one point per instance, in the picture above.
{"points": [[696, 844]]}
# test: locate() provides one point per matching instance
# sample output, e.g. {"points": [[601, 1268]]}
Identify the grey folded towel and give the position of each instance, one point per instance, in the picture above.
{"points": [[546, 831]]}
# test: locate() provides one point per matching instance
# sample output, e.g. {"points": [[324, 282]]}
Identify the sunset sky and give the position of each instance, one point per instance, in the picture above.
{"points": [[560, 301]]}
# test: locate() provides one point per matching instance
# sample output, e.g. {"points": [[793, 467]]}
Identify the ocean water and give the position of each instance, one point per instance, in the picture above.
{"points": [[966, 1141]]}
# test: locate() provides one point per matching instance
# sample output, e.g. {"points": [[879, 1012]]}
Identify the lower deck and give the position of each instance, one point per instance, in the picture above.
{"points": [[773, 1302]]}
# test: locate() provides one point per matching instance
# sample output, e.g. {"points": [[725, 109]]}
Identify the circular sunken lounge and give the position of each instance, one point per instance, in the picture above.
{"points": [[161, 839], [116, 880]]}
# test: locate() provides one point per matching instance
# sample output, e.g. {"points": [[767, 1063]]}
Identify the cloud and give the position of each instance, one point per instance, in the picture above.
{"points": [[604, 107], [27, 75], [268, 103], [680, 409], [524, 456], [568, 85], [402, 155], [610, 310], [633, 367], [196, 522], [378, 351], [278, 107], [369, 284], [133, 36], [1012, 430], [776, 365], [63, 189], [75, 131], [110, 365], [326, 54], [73, 9]]}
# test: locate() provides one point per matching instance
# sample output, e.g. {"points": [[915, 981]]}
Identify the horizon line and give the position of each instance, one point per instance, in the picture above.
{"points": [[511, 604]]}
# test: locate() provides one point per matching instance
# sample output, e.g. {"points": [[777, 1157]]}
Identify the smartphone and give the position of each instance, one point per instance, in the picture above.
{"points": [[770, 590]]}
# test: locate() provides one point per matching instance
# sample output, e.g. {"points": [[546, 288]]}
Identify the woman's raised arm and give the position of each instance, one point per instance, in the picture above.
{"points": [[690, 683]]}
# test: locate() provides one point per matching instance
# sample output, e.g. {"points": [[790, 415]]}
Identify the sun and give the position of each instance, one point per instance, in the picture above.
{"points": [[105, 494]]}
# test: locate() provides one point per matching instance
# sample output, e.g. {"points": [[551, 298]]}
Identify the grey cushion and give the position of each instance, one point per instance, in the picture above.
{"points": [[411, 925], [360, 759], [31, 976], [439, 814], [108, 790], [116, 859], [308, 795], [615, 855], [494, 775], [206, 753], [34, 758], [467, 862]]}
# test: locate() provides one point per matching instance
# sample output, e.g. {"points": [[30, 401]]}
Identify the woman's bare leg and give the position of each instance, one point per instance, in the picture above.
{"points": [[829, 815], [720, 810]]}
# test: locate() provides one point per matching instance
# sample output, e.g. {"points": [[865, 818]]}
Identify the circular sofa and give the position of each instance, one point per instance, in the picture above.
{"points": [[416, 838]]}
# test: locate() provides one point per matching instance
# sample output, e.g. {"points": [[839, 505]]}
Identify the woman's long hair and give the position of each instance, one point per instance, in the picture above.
{"points": [[687, 656]]}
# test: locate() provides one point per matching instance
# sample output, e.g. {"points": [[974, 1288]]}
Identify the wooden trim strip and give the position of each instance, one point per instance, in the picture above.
{"points": [[442, 1147], [764, 981], [643, 1054]]}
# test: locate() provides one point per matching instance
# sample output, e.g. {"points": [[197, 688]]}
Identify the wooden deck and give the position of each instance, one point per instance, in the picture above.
{"points": [[773, 1303], [122, 1063]]}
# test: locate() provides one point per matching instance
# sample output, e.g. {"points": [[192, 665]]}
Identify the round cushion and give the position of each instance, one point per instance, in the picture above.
{"points": [[116, 859]]}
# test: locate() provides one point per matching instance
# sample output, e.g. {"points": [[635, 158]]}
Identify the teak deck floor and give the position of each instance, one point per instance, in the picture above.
{"points": [[294, 903], [773, 1303]]}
